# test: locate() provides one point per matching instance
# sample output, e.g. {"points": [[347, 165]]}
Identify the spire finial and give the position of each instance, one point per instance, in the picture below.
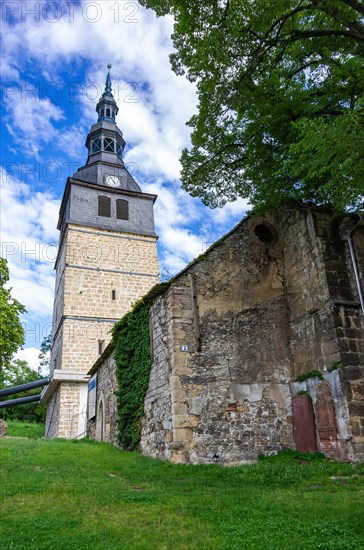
{"points": [[108, 80]]}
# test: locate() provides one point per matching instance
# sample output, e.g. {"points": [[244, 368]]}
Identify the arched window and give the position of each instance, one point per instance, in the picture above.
{"points": [[104, 206], [122, 209], [108, 112]]}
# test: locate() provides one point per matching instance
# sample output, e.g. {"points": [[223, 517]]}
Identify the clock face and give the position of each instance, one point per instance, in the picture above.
{"points": [[113, 181]]}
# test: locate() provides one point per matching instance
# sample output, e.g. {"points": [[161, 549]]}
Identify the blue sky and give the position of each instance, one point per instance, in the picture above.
{"points": [[54, 59]]}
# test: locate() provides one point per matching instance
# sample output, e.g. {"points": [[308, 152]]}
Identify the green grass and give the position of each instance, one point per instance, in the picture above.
{"points": [[25, 429], [58, 494]]}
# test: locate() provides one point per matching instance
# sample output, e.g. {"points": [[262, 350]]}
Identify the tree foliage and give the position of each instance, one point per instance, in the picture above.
{"points": [[14, 374], [281, 99], [11, 329], [45, 356]]}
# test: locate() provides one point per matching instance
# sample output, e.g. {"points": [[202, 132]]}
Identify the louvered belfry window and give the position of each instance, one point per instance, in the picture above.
{"points": [[109, 145], [104, 206], [122, 209]]}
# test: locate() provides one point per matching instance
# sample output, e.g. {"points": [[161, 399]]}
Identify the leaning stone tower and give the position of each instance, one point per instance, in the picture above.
{"points": [[107, 259]]}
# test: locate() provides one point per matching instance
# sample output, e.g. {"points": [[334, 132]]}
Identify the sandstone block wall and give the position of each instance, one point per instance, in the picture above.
{"points": [[228, 390], [157, 427], [237, 327], [64, 413], [100, 274]]}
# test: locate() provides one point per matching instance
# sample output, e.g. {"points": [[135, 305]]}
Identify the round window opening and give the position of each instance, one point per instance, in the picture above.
{"points": [[264, 233]]}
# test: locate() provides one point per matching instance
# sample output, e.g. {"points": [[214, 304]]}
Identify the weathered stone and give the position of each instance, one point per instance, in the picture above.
{"points": [[264, 315], [3, 428], [262, 321]]}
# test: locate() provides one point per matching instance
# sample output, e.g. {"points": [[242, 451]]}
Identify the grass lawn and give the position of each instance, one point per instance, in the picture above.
{"points": [[25, 429], [59, 494]]}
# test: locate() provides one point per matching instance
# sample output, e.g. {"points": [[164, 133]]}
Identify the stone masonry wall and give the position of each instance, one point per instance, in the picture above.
{"points": [[236, 327], [230, 399], [157, 423], [104, 427], [63, 412], [96, 264], [52, 418], [327, 325], [100, 274]]}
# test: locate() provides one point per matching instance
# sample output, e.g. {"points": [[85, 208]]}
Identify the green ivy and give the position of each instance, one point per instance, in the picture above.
{"points": [[335, 366], [312, 374], [302, 392], [132, 355]]}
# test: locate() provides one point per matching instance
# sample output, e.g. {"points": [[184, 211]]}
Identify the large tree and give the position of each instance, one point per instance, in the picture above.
{"points": [[281, 99], [11, 329]]}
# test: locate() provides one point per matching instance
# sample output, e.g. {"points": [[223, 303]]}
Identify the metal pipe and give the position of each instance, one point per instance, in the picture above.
{"points": [[19, 401], [355, 263], [25, 387]]}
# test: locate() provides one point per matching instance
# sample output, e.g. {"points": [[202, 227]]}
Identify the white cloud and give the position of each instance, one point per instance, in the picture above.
{"points": [[139, 52], [230, 210], [30, 355], [153, 126], [31, 122], [29, 237]]}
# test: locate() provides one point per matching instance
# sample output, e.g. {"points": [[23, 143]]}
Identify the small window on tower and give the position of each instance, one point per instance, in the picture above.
{"points": [[101, 346], [122, 209], [104, 206], [113, 294], [109, 145], [113, 115], [108, 112], [102, 112]]}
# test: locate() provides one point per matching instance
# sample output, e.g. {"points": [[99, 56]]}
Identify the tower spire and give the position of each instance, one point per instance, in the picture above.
{"points": [[106, 107], [108, 81]]}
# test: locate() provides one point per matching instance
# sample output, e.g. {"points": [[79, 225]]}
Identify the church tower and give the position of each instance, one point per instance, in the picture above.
{"points": [[107, 260]]}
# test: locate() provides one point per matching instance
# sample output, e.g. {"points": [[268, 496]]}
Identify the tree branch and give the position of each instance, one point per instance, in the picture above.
{"points": [[298, 35], [357, 6]]}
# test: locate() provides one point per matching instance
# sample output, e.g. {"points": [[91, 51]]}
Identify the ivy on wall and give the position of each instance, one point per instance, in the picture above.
{"points": [[133, 364]]}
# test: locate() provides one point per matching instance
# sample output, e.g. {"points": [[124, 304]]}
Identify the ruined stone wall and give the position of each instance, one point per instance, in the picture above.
{"points": [[331, 413], [156, 437], [229, 398], [350, 322], [325, 318], [313, 336], [239, 325]]}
